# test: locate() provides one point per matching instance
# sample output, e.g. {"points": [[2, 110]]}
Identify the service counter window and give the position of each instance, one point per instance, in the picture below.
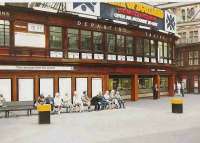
{"points": [[120, 44], [86, 40], [72, 36], [4, 33], [55, 37], [98, 41], [145, 85], [129, 45], [111, 43], [139, 47], [146, 48], [160, 52], [153, 48]]}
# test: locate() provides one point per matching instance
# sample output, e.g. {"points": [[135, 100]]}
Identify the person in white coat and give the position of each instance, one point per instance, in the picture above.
{"points": [[67, 103], [178, 88], [58, 102], [2, 100], [77, 102]]}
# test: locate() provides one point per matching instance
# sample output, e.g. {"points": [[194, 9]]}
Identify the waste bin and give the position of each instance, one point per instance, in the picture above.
{"points": [[44, 113], [177, 105]]}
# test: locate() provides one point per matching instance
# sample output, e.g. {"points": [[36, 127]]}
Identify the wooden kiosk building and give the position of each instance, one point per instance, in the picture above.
{"points": [[43, 53]]}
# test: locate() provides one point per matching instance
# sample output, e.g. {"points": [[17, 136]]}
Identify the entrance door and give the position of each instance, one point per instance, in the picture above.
{"points": [[65, 86], [5, 88], [46, 86], [81, 85], [96, 86]]}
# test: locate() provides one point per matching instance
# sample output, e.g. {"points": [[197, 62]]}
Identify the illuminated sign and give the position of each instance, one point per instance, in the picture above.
{"points": [[130, 16], [140, 7]]}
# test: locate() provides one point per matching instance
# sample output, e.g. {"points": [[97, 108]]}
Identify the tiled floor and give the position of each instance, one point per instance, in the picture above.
{"points": [[144, 121]]}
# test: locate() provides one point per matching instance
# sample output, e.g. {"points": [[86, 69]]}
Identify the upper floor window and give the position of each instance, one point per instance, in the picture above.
{"points": [[139, 47], [193, 36], [193, 58], [86, 40], [183, 14], [55, 37], [165, 50], [111, 43], [160, 49], [4, 33], [146, 47], [129, 45], [72, 36], [120, 43], [98, 41], [153, 48]]}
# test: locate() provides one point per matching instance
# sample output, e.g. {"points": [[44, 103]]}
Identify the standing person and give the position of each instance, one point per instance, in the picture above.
{"points": [[182, 89], [86, 100], [77, 102], [58, 102], [40, 100], [2, 100], [178, 88], [67, 103], [155, 91]]}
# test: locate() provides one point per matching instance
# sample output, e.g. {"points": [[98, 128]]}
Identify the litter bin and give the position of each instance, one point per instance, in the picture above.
{"points": [[44, 113], [177, 105]]}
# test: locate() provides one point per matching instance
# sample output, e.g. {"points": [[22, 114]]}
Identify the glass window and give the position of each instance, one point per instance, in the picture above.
{"points": [[165, 50], [163, 84], [146, 47], [72, 36], [153, 48], [111, 43], [139, 47], [196, 59], [129, 45], [120, 43], [190, 57], [55, 37], [4, 33], [145, 84], [160, 49], [97, 41], [183, 14], [85, 39], [170, 50]]}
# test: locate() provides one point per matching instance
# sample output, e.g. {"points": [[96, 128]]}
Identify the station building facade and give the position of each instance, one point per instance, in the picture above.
{"points": [[44, 53]]}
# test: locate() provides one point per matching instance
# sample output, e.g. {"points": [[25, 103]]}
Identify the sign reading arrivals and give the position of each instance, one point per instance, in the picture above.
{"points": [[133, 13]]}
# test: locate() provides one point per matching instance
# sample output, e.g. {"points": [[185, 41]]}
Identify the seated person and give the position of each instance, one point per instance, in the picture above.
{"points": [[108, 99], [58, 102], [77, 102], [49, 100], [113, 99], [40, 100], [67, 103], [99, 102], [120, 100], [86, 100], [2, 100]]}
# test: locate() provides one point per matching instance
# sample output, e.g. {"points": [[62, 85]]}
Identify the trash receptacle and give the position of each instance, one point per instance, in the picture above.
{"points": [[44, 113], [177, 105]]}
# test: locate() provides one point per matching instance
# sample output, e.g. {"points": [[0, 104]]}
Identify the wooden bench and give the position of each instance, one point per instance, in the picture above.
{"points": [[17, 106]]}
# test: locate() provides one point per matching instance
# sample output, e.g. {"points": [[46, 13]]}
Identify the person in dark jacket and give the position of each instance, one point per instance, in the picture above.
{"points": [[155, 91], [99, 102]]}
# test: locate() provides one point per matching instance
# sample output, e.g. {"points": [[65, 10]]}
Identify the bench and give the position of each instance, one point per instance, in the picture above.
{"points": [[17, 106]]}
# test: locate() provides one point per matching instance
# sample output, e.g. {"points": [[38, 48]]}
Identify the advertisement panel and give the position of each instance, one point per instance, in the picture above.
{"points": [[133, 15]]}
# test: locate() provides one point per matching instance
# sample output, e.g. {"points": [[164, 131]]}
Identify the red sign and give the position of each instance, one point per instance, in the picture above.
{"points": [[135, 14]]}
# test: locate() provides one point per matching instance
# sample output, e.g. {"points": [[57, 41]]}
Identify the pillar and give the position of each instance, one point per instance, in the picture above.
{"points": [[171, 82], [14, 96], [36, 87], [56, 84], [156, 80], [89, 87], [105, 82], [134, 87]]}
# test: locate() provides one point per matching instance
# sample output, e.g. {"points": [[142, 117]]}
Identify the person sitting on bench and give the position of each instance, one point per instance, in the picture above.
{"points": [[2, 100], [86, 100], [67, 103], [120, 100], [77, 102], [58, 102]]}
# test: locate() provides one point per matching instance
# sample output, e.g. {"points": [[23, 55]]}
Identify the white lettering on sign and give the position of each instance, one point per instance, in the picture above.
{"points": [[98, 56], [57, 68], [101, 26], [32, 27], [121, 58], [130, 58], [56, 54], [112, 57], [73, 55], [139, 59], [86, 56]]}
